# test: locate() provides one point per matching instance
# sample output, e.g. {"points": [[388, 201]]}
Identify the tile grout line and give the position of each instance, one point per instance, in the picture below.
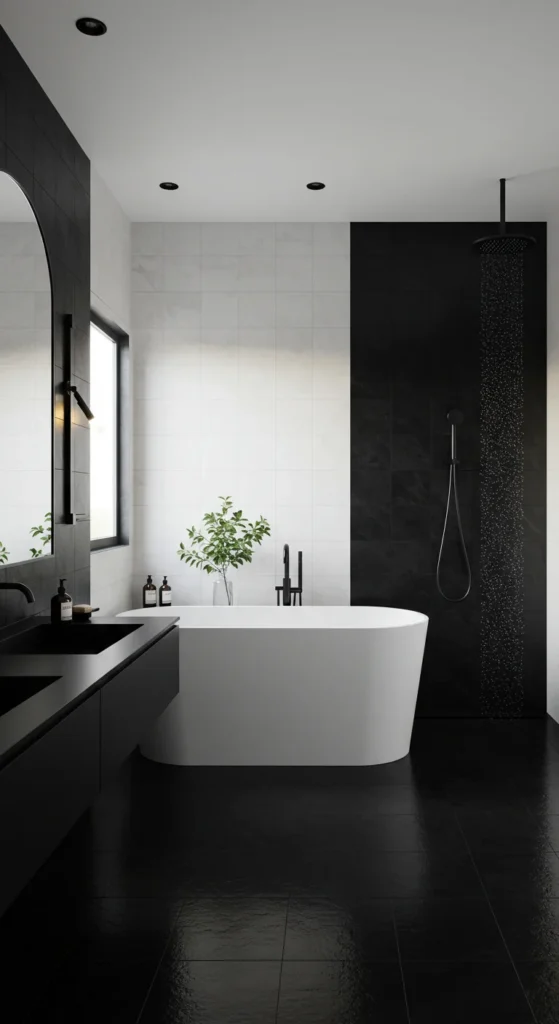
{"points": [[509, 954], [160, 961], [282, 956], [400, 963]]}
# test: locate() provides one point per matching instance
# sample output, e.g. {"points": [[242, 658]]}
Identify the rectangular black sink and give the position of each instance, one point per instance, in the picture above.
{"points": [[15, 689], [66, 638]]}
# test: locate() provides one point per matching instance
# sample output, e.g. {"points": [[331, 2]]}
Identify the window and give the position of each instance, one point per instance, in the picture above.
{"points": [[108, 366]]}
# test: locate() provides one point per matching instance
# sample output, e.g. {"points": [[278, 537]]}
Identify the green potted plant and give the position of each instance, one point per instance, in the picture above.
{"points": [[4, 553], [224, 542]]}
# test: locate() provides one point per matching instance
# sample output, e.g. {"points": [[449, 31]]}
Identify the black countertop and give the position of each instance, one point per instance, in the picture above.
{"points": [[80, 675]]}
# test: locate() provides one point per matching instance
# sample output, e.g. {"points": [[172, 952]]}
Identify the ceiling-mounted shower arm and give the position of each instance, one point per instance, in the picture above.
{"points": [[503, 221]]}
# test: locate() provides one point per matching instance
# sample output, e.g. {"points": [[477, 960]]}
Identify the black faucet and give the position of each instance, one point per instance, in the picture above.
{"points": [[286, 589], [19, 586]]}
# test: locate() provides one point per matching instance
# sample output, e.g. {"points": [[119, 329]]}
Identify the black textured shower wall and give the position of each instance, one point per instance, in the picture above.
{"points": [[39, 151], [418, 350]]}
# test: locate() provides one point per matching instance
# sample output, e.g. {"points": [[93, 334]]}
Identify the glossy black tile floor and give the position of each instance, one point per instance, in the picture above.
{"points": [[421, 891]]}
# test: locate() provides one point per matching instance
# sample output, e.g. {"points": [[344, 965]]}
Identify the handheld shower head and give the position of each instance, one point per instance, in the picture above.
{"points": [[455, 417]]}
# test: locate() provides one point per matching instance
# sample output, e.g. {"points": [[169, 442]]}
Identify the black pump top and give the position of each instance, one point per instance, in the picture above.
{"points": [[62, 588], [164, 579], [150, 579]]}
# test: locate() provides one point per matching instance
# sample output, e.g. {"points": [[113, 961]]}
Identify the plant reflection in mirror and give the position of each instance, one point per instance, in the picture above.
{"points": [[44, 533]]}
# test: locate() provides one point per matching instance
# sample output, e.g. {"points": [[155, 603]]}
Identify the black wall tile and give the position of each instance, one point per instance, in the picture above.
{"points": [[39, 151], [415, 345]]}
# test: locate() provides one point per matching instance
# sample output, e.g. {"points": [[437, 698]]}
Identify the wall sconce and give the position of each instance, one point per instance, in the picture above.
{"points": [[71, 389]]}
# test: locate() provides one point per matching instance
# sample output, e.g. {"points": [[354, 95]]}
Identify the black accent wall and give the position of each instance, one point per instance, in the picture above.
{"points": [[418, 350], [40, 152]]}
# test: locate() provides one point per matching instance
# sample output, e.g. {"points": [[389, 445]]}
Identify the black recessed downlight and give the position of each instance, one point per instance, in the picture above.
{"points": [[91, 26], [316, 185], [169, 186]]}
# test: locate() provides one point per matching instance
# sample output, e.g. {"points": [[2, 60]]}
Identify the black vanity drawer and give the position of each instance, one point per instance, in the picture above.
{"points": [[133, 700], [43, 792]]}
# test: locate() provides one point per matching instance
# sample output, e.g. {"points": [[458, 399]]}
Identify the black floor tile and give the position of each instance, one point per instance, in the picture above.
{"points": [[337, 992], [519, 875], [403, 875], [494, 831], [225, 876], [462, 993], [214, 992], [91, 992], [229, 929], [442, 930], [530, 927], [540, 980], [320, 929]]}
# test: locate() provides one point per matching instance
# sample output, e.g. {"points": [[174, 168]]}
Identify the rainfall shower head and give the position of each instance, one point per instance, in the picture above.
{"points": [[455, 417], [503, 244]]}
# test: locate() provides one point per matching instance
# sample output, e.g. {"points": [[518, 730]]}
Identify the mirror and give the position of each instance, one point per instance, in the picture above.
{"points": [[25, 382]]}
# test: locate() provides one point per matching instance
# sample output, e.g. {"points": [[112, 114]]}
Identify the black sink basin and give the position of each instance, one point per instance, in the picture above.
{"points": [[67, 638], [15, 689]]}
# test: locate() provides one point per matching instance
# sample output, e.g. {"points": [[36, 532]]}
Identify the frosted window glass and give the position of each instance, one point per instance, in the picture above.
{"points": [[103, 428]]}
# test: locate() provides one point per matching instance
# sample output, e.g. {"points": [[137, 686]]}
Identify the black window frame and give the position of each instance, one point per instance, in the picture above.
{"points": [[122, 341]]}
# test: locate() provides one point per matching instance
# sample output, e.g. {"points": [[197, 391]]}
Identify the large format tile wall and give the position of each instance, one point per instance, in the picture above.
{"points": [[241, 385], [424, 341], [39, 151]]}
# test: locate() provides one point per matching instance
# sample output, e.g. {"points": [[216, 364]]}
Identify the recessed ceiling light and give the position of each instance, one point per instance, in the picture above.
{"points": [[169, 186], [91, 26], [316, 185]]}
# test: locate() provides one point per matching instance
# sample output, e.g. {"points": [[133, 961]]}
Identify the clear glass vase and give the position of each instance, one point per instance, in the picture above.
{"points": [[223, 594]]}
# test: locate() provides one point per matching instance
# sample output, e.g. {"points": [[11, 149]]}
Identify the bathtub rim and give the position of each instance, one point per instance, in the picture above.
{"points": [[313, 617]]}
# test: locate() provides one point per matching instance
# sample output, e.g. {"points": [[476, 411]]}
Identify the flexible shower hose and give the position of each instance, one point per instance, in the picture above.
{"points": [[452, 487]]}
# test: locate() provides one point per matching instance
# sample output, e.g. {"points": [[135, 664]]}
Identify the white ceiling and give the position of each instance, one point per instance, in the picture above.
{"points": [[406, 109]]}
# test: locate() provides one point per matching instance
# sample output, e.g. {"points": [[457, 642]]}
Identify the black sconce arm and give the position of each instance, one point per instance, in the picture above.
{"points": [[71, 389]]}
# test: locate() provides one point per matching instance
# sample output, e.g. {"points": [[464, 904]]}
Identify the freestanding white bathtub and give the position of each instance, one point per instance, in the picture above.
{"points": [[315, 685]]}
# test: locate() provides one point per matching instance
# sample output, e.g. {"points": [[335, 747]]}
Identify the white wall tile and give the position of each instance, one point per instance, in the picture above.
{"points": [[252, 400], [294, 239], [182, 239], [294, 309], [220, 239], [331, 309], [331, 522], [147, 273], [294, 273], [257, 309], [220, 273], [257, 239], [294, 363], [256, 273], [182, 273], [294, 447], [294, 487], [182, 309], [219, 309], [331, 239], [147, 239], [148, 311], [331, 590], [331, 434], [332, 486], [331, 273]]}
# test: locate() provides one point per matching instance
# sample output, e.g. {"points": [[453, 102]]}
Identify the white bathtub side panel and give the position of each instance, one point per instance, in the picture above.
{"points": [[276, 697]]}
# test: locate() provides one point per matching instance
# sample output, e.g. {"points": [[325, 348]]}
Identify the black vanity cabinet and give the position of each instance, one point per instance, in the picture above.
{"points": [[60, 770], [44, 791], [134, 699]]}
